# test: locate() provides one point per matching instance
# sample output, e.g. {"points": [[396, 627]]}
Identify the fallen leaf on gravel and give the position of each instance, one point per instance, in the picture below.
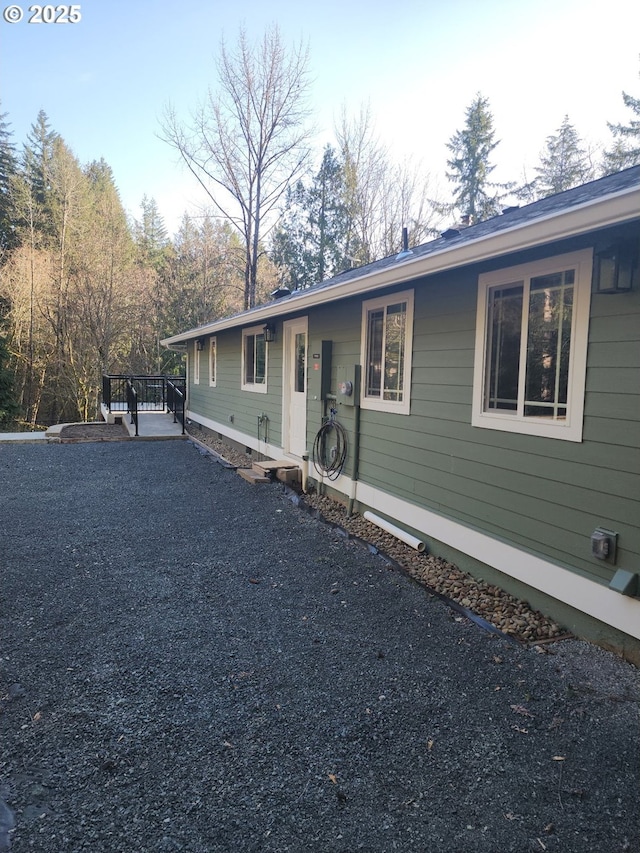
{"points": [[520, 709], [228, 744], [522, 731], [333, 778], [430, 745], [254, 580], [559, 758]]}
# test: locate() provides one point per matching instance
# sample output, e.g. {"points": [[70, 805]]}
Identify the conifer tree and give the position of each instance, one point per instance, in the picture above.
{"points": [[625, 151], [151, 234], [8, 172], [564, 163], [9, 408], [311, 241], [471, 165]]}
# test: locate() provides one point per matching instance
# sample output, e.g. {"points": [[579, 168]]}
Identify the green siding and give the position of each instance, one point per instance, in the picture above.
{"points": [[227, 401], [543, 495]]}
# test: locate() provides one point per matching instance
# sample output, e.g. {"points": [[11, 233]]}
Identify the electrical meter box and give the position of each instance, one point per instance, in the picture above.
{"points": [[319, 379], [348, 385]]}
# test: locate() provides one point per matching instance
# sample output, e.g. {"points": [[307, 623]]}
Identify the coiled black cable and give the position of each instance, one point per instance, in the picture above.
{"points": [[330, 449]]}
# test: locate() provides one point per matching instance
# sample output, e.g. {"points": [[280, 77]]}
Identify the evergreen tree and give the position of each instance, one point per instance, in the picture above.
{"points": [[471, 165], [564, 163], [151, 234], [8, 172], [311, 241], [625, 151], [37, 161], [9, 409]]}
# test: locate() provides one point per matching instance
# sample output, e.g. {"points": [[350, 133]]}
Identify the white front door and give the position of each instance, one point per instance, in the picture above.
{"points": [[294, 384]]}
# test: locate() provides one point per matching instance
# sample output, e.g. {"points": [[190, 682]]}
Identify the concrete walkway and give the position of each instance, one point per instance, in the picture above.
{"points": [[151, 425], [157, 425], [23, 437]]}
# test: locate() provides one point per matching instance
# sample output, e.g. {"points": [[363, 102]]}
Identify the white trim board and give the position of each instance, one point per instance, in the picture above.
{"points": [[273, 451]]}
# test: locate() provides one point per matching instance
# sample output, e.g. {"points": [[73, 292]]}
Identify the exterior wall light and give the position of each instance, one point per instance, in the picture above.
{"points": [[269, 333], [613, 269], [200, 344]]}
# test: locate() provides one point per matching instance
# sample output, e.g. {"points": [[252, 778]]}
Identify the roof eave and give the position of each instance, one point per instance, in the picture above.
{"points": [[589, 216]]}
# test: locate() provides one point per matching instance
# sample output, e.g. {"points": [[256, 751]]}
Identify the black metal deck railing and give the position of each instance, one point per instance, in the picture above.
{"points": [[132, 403], [176, 393], [152, 393]]}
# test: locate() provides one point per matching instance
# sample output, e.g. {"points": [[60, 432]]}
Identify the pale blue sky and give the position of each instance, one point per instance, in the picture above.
{"points": [[104, 81]]}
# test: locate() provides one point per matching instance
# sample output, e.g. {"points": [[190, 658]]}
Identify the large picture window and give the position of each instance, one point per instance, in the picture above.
{"points": [[531, 347], [254, 360], [387, 327]]}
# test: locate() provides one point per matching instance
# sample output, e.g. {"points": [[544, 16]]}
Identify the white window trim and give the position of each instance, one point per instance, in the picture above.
{"points": [[569, 429], [376, 403], [213, 361], [196, 363], [256, 388]]}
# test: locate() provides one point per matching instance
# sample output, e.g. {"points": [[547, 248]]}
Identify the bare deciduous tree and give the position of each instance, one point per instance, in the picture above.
{"points": [[364, 160], [381, 198], [249, 140]]}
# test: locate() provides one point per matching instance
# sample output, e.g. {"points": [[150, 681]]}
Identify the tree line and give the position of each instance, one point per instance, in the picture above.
{"points": [[85, 290]]}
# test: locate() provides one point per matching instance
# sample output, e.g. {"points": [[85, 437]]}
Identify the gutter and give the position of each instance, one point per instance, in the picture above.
{"points": [[589, 216]]}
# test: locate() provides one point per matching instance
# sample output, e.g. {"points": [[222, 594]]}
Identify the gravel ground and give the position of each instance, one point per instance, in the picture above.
{"points": [[492, 604], [192, 663]]}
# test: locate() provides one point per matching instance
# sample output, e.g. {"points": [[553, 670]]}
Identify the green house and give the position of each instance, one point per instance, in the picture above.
{"points": [[487, 385]]}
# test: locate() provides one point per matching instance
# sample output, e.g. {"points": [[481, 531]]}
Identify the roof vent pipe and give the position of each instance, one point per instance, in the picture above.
{"points": [[406, 251]]}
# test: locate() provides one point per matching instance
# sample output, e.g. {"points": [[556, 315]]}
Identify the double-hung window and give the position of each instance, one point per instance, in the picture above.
{"points": [[254, 360], [387, 333], [212, 361], [531, 347], [196, 363]]}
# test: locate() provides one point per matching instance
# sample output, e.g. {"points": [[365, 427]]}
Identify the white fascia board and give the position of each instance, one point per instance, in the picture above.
{"points": [[558, 225]]}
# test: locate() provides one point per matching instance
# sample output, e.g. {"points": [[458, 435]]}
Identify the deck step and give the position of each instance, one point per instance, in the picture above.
{"points": [[268, 465], [252, 476]]}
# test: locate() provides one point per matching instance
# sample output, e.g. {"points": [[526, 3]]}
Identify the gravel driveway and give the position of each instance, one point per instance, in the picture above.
{"points": [[191, 663]]}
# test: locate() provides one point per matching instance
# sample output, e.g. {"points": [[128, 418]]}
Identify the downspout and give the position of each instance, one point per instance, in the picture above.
{"points": [[356, 443]]}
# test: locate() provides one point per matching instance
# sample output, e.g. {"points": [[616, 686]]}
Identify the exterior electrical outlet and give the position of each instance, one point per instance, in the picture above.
{"points": [[604, 544]]}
